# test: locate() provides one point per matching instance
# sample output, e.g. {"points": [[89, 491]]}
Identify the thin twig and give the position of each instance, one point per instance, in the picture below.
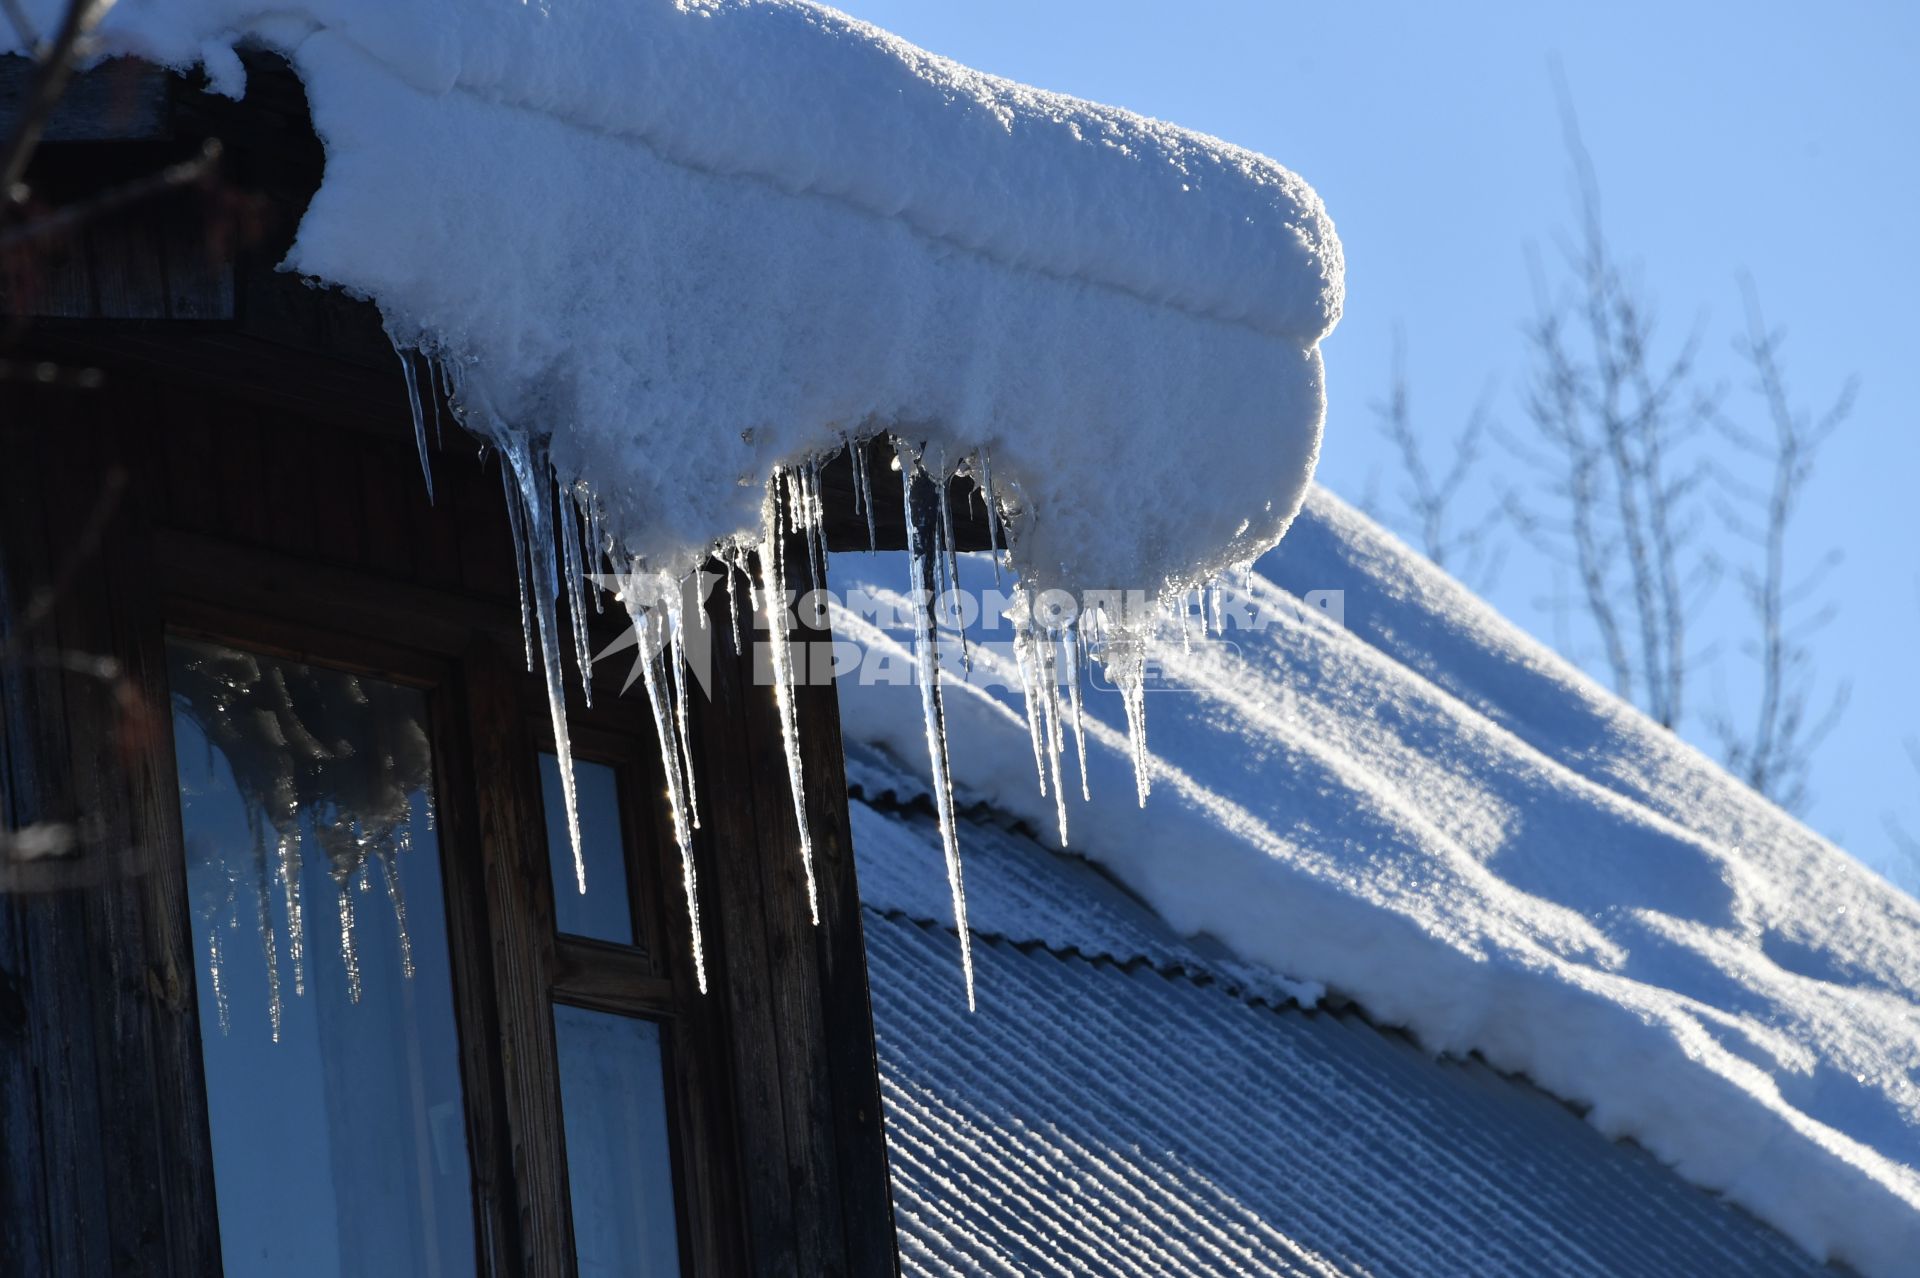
{"points": [[174, 176]]}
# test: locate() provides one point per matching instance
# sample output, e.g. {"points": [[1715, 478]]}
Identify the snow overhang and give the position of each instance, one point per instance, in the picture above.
{"points": [[676, 246]]}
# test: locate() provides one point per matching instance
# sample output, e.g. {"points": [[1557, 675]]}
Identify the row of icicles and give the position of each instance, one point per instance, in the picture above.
{"points": [[561, 543], [352, 854]]}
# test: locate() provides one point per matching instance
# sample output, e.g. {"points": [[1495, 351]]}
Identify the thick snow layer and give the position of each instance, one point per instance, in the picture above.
{"points": [[693, 241], [1428, 812]]}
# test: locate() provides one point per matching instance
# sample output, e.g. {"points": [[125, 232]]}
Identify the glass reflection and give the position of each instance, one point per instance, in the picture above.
{"points": [[619, 1164], [602, 911], [326, 1011]]}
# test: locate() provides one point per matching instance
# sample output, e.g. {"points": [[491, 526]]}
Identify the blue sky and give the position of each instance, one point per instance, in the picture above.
{"points": [[1771, 138]]}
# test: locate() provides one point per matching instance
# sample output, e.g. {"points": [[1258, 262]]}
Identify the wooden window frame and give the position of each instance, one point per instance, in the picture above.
{"points": [[510, 965]]}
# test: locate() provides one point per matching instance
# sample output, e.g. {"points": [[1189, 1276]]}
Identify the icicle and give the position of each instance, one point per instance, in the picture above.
{"points": [[349, 948], [993, 513], [531, 469], [517, 527], [927, 656], [671, 760], [863, 483], [950, 565], [289, 873], [753, 583], [419, 417], [853, 466], [595, 551], [677, 667], [263, 914], [435, 380], [773, 571], [397, 897], [794, 510], [1050, 685], [733, 599], [820, 525], [1126, 664], [1219, 618], [215, 975], [810, 518], [1076, 662], [1023, 656], [567, 510]]}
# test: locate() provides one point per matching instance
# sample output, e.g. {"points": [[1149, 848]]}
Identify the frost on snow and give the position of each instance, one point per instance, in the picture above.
{"points": [[664, 257]]}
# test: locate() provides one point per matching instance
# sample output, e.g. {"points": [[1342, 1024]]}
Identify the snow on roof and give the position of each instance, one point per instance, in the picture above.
{"points": [[1120, 1105], [668, 255], [1428, 812], [692, 241]]}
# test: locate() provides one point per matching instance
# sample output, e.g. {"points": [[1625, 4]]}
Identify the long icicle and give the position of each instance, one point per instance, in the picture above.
{"points": [[677, 667], [921, 555], [733, 569], [649, 663], [1023, 657], [1056, 747], [993, 513], [596, 550], [774, 585], [263, 916], [287, 870], [532, 471], [1127, 667], [566, 510], [517, 524], [1076, 662], [807, 519], [950, 564], [863, 480]]}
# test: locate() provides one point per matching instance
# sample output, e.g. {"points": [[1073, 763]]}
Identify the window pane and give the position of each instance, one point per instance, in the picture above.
{"points": [[600, 912], [619, 1169], [325, 990]]}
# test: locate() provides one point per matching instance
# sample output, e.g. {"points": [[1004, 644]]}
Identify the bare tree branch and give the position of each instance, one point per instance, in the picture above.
{"points": [[53, 64], [1774, 753], [73, 216], [1618, 424], [1429, 499]]}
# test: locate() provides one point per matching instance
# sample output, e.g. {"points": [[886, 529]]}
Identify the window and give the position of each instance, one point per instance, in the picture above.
{"points": [[597, 907], [345, 1075], [613, 1080], [619, 1167], [326, 1010]]}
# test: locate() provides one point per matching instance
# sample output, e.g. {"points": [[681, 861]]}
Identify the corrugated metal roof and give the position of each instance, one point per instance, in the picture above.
{"points": [[1127, 1102]]}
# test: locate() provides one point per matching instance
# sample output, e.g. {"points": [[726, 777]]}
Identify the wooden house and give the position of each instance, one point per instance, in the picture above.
{"points": [[203, 461]]}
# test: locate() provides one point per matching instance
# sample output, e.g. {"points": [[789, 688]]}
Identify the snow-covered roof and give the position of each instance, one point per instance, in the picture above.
{"points": [[1123, 1103], [667, 255], [687, 241], [1429, 813]]}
